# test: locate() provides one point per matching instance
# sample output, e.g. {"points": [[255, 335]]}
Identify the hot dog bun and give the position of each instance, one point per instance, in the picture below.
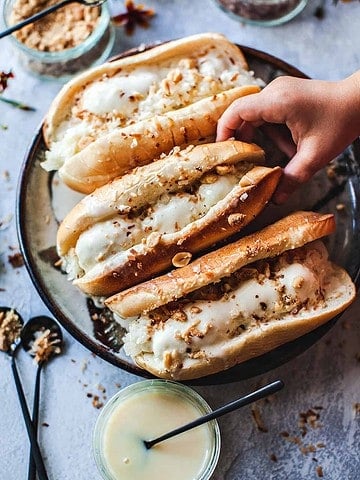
{"points": [[161, 214], [123, 114], [237, 302]]}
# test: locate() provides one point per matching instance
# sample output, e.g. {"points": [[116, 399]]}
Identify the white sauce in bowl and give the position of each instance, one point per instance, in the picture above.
{"points": [[145, 415]]}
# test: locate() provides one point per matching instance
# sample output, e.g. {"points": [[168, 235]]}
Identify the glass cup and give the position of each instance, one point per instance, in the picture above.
{"points": [[64, 64], [137, 394], [262, 12]]}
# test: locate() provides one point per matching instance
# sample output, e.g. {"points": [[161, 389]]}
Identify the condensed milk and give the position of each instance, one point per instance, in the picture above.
{"points": [[144, 411]]}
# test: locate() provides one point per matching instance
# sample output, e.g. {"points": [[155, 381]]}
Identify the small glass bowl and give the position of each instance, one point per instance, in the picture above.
{"points": [[64, 64], [167, 386], [265, 13]]}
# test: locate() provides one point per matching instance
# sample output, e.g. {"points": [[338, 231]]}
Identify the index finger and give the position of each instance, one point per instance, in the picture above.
{"points": [[234, 116]]}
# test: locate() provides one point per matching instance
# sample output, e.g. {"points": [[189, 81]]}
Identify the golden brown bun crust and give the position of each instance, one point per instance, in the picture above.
{"points": [[61, 106], [158, 257], [288, 233], [114, 153], [271, 335], [145, 184]]}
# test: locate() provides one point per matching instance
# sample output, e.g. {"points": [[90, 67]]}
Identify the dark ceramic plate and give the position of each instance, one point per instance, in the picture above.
{"points": [[41, 198]]}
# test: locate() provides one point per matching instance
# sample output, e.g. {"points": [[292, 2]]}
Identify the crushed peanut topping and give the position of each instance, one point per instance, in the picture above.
{"points": [[10, 328], [181, 259], [66, 28], [45, 345]]}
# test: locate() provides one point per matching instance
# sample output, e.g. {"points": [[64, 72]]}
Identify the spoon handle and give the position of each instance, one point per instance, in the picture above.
{"points": [[35, 421], [29, 426], [229, 407], [35, 17]]}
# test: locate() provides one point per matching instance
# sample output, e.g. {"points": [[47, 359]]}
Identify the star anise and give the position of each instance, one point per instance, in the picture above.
{"points": [[134, 15], [4, 77]]}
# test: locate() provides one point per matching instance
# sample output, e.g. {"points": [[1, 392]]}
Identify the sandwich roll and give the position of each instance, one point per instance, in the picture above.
{"points": [[237, 302], [161, 214], [123, 114]]}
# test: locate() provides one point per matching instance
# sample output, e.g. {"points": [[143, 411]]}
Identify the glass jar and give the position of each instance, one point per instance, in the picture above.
{"points": [[148, 406], [262, 12], [64, 64]]}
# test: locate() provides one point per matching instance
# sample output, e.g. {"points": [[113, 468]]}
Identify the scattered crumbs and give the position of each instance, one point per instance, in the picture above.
{"points": [[273, 457], [44, 424], [331, 172], [6, 175], [310, 418], [256, 415], [89, 395], [72, 360], [84, 366], [85, 385], [319, 12], [340, 207], [305, 449], [3, 126], [118, 385], [296, 440], [101, 388], [319, 471], [58, 263], [16, 260], [356, 408], [96, 402]]}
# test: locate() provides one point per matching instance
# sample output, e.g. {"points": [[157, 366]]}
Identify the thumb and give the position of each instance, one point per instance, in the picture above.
{"points": [[298, 171]]}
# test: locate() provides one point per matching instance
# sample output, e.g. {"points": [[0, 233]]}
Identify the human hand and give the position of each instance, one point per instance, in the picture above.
{"points": [[311, 121]]}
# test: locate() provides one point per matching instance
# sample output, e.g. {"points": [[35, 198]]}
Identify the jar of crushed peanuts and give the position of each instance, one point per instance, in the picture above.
{"points": [[262, 12], [65, 42]]}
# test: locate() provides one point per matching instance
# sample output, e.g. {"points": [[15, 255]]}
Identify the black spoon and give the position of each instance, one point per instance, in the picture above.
{"points": [[229, 407], [46, 11], [11, 347], [33, 329]]}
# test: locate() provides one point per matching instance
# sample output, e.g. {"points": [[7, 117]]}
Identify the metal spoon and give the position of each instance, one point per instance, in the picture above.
{"points": [[46, 11], [229, 407], [31, 330], [11, 348]]}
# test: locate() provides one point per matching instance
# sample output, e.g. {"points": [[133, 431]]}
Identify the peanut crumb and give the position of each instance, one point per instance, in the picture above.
{"points": [[256, 415], [16, 260], [319, 471], [96, 403]]}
